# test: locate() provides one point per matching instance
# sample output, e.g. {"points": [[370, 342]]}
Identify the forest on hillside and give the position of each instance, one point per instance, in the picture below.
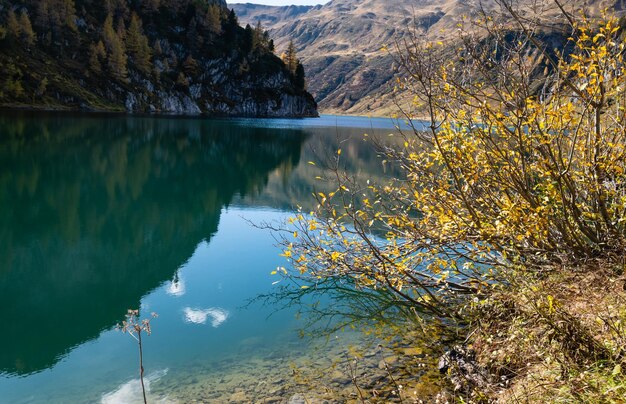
{"points": [[143, 56]]}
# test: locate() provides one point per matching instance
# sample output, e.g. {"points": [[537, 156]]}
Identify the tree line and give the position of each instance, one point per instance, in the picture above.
{"points": [[114, 37]]}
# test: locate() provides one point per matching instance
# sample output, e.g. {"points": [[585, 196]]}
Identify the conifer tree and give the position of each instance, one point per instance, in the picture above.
{"points": [[43, 17], [13, 26], [26, 29], [53, 15], [42, 87], [258, 38], [97, 54], [68, 14], [190, 66], [116, 54], [248, 39], [290, 58], [137, 45], [300, 80], [182, 81], [232, 18], [212, 19]]}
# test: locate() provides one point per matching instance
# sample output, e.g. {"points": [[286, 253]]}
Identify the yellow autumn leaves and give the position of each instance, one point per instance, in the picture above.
{"points": [[513, 170]]}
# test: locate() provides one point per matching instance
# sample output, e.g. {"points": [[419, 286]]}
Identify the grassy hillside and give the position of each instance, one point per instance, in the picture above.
{"points": [[341, 43]]}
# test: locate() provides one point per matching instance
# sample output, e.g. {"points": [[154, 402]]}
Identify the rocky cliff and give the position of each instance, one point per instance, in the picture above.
{"points": [[145, 56]]}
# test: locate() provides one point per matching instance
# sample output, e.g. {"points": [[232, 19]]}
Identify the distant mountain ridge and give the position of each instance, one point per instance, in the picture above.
{"points": [[340, 42]]}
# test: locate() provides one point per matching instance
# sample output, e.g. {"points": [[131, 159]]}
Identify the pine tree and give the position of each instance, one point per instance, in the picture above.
{"points": [[137, 45], [182, 81], [248, 39], [43, 17], [190, 66], [67, 11], [26, 29], [290, 58], [97, 53], [42, 87], [300, 80], [258, 38], [13, 26], [232, 18], [231, 27], [213, 20], [116, 54], [53, 16]]}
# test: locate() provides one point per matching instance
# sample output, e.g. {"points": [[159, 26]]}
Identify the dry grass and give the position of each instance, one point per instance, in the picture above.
{"points": [[559, 338]]}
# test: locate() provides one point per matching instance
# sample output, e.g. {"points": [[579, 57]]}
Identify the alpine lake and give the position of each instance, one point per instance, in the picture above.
{"points": [[104, 213]]}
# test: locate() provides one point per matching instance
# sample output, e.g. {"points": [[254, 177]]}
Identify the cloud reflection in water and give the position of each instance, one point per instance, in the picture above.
{"points": [[200, 316], [176, 286], [130, 392]]}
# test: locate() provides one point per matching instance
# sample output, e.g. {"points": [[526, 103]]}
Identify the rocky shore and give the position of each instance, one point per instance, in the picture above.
{"points": [[332, 373]]}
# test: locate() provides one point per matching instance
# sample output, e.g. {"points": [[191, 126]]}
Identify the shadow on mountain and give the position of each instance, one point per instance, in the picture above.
{"points": [[97, 211]]}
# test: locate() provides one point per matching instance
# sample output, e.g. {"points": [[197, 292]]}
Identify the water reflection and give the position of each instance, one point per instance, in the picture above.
{"points": [[130, 392], [98, 211], [176, 287], [200, 316]]}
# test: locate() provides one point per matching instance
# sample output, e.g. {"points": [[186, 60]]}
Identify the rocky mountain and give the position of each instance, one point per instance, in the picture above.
{"points": [[341, 42], [178, 56]]}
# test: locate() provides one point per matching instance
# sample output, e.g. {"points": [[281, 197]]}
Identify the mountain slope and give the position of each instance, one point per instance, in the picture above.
{"points": [[180, 56], [340, 43]]}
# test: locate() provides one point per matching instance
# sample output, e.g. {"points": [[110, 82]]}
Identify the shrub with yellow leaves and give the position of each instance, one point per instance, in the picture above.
{"points": [[509, 172]]}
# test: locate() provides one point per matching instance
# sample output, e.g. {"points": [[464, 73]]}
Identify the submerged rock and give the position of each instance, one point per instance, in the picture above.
{"points": [[460, 364], [297, 399]]}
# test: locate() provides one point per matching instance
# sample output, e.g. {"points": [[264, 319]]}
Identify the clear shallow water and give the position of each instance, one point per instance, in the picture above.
{"points": [[104, 213]]}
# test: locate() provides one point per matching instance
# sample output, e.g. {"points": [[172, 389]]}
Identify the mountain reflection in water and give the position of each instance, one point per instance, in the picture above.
{"points": [[102, 213], [98, 211]]}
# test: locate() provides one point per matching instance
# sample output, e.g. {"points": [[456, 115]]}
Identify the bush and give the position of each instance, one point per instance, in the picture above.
{"points": [[510, 172]]}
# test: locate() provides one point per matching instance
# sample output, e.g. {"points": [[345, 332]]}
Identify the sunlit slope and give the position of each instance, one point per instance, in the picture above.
{"points": [[341, 43]]}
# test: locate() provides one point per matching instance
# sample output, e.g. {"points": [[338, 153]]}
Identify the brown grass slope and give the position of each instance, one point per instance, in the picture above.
{"points": [[341, 43]]}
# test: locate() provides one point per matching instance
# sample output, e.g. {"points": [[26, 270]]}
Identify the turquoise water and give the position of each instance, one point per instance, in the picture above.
{"points": [[102, 213]]}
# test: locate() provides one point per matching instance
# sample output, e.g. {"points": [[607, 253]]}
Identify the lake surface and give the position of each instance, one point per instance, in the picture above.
{"points": [[103, 213]]}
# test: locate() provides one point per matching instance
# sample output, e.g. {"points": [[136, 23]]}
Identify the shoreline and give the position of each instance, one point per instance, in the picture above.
{"points": [[84, 111]]}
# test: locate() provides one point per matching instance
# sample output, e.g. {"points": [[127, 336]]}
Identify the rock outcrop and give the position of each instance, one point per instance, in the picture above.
{"points": [[178, 57]]}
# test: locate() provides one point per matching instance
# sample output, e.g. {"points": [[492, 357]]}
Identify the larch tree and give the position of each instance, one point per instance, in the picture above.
{"points": [[97, 54], [291, 58], [13, 26], [137, 45], [116, 54], [52, 16], [190, 66], [259, 37], [26, 29], [213, 20], [67, 10]]}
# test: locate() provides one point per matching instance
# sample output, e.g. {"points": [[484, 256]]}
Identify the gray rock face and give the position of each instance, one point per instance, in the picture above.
{"points": [[176, 103], [221, 90]]}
